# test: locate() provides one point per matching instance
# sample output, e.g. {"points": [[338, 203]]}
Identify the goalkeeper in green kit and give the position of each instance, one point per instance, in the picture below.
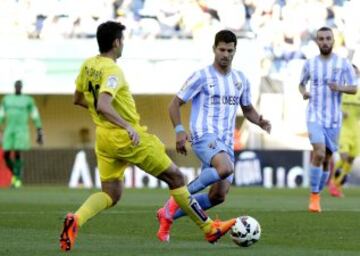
{"points": [[15, 110]]}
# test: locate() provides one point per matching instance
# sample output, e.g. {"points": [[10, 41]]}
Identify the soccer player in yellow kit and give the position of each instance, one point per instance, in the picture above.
{"points": [[121, 140], [349, 141]]}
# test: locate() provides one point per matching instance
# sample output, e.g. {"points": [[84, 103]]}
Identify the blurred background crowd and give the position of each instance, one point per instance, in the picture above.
{"points": [[47, 41], [283, 27]]}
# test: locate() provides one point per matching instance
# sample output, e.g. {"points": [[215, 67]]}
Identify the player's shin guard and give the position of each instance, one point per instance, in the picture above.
{"points": [[203, 200], [192, 208], [17, 172], [207, 177], [324, 179], [315, 176], [93, 205]]}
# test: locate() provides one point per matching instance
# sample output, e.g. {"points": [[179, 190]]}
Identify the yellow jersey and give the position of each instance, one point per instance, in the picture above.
{"points": [[351, 106], [101, 74]]}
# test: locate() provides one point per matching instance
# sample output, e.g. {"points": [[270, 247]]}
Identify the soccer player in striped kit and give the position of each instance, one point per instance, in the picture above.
{"points": [[216, 92], [329, 76]]}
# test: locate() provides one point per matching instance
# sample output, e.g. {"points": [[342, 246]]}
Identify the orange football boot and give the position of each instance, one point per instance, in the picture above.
{"points": [[219, 228], [314, 205], [69, 233]]}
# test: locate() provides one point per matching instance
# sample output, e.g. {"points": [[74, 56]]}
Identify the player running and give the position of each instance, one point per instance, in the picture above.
{"points": [[121, 140], [330, 76], [349, 141]]}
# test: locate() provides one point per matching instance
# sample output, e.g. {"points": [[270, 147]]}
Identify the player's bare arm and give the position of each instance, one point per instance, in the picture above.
{"points": [[105, 108], [252, 115], [350, 89], [175, 116], [305, 94], [79, 99]]}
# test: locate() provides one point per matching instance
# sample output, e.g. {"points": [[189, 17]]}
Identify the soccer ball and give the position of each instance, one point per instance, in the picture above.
{"points": [[246, 231]]}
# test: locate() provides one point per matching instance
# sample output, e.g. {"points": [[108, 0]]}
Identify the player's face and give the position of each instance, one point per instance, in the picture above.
{"points": [[18, 87], [325, 41], [224, 54]]}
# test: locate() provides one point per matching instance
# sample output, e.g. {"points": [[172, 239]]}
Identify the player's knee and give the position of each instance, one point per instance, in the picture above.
{"points": [[173, 177], [225, 171], [177, 179], [319, 156]]}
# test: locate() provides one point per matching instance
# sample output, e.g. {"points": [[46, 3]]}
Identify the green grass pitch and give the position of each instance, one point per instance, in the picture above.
{"points": [[31, 220]]}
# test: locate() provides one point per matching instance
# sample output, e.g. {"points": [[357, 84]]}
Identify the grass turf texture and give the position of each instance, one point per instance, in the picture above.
{"points": [[31, 221]]}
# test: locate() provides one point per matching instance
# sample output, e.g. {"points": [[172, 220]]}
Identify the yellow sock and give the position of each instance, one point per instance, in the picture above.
{"points": [[346, 168], [93, 205], [192, 208]]}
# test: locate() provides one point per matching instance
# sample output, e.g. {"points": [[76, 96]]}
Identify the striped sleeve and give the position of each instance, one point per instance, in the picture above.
{"points": [[305, 74], [349, 73], [191, 87], [245, 99]]}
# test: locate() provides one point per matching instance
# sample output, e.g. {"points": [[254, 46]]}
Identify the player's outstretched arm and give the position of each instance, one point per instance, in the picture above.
{"points": [[252, 115], [175, 116]]}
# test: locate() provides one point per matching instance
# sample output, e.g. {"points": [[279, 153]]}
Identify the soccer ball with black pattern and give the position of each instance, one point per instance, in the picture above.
{"points": [[246, 231]]}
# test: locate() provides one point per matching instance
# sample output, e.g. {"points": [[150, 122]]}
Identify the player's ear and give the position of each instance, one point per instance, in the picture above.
{"points": [[116, 43]]}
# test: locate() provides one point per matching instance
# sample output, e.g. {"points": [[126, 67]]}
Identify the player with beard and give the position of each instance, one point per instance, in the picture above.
{"points": [[216, 92], [330, 76]]}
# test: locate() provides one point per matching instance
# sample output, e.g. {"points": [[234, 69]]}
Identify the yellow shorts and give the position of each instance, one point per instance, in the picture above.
{"points": [[114, 152], [349, 141]]}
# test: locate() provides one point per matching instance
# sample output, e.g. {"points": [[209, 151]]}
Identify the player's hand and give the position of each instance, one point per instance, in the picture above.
{"points": [[333, 87], [181, 138], [134, 136], [306, 95], [39, 136], [264, 124], [345, 114]]}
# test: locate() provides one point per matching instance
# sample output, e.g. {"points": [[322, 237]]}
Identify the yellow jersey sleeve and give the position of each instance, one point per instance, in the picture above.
{"points": [[113, 80]]}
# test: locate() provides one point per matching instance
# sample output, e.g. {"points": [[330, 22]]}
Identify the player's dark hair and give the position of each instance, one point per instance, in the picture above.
{"points": [[106, 34], [225, 36], [18, 83], [324, 29]]}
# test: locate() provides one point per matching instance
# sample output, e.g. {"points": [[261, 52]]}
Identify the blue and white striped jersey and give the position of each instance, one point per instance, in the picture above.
{"points": [[325, 105], [215, 99]]}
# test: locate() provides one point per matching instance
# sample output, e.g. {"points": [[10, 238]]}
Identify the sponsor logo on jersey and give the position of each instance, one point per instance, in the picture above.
{"points": [[238, 85]]}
